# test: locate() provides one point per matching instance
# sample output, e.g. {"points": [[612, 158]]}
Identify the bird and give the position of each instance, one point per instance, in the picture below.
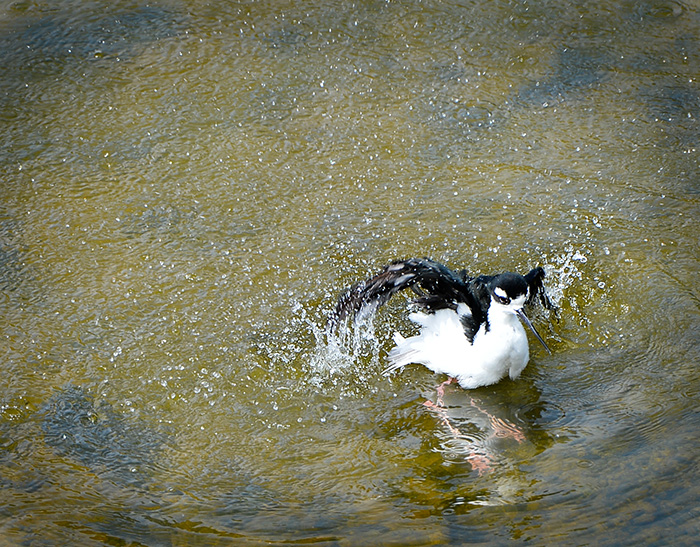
{"points": [[469, 327]]}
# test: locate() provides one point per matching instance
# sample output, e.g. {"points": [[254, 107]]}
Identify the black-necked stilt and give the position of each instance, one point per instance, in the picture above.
{"points": [[469, 326]]}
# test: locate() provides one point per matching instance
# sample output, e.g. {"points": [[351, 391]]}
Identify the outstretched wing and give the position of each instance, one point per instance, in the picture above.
{"points": [[535, 280], [436, 285]]}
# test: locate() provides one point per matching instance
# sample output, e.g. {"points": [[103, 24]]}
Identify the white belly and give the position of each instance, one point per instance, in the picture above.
{"points": [[443, 348]]}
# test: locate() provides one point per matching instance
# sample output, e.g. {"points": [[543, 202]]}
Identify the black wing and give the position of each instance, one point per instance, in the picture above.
{"points": [[436, 285], [535, 280]]}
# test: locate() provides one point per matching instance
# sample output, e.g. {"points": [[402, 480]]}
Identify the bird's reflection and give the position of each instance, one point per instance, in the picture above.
{"points": [[479, 426]]}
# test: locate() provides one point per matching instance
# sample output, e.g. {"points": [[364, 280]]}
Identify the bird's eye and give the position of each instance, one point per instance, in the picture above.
{"points": [[502, 299]]}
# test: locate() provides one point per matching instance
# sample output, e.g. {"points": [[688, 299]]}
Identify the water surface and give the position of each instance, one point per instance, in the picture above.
{"points": [[188, 187]]}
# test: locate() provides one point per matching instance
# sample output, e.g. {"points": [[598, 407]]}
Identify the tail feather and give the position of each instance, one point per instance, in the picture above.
{"points": [[535, 280], [400, 355]]}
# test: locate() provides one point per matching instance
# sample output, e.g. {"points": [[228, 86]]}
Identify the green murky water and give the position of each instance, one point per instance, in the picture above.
{"points": [[188, 186]]}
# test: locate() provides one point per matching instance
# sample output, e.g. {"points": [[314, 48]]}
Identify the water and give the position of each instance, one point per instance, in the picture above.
{"points": [[189, 187]]}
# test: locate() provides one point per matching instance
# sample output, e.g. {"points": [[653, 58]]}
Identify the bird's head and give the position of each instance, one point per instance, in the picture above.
{"points": [[509, 291]]}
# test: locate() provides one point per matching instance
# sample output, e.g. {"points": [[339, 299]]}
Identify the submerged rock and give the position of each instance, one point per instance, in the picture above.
{"points": [[97, 436]]}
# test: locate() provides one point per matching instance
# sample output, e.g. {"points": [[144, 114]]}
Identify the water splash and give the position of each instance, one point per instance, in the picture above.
{"points": [[563, 270], [347, 357]]}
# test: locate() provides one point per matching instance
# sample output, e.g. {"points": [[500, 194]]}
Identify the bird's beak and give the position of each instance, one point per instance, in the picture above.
{"points": [[525, 320]]}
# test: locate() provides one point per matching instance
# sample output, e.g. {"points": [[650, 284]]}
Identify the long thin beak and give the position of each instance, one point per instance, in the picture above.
{"points": [[525, 320]]}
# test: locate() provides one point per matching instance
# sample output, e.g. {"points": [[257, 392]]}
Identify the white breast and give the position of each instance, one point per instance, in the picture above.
{"points": [[443, 347], [504, 348]]}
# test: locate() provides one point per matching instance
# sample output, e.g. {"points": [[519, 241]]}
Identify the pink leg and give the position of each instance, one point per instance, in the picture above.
{"points": [[479, 462], [442, 413], [441, 389], [501, 428]]}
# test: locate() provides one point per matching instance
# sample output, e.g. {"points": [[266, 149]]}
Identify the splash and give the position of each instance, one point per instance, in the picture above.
{"points": [[587, 294], [564, 272], [348, 356]]}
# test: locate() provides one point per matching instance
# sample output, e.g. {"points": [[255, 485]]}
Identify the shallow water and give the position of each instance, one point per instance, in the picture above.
{"points": [[189, 187]]}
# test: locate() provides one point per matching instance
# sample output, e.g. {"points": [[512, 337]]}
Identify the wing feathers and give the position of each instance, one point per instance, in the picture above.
{"points": [[437, 287], [535, 280]]}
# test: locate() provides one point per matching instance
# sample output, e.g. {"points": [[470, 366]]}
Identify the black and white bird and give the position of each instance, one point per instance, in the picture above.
{"points": [[470, 327]]}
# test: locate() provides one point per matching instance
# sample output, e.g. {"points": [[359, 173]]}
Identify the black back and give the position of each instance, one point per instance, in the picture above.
{"points": [[437, 287]]}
